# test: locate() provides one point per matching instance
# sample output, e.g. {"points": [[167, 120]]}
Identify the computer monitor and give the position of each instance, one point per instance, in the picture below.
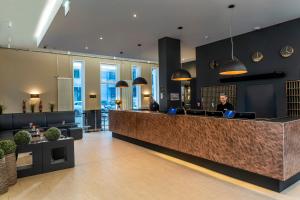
{"points": [[196, 112], [245, 115], [214, 113]]}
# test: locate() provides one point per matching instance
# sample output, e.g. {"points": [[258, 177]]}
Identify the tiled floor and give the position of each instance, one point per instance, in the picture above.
{"points": [[108, 168]]}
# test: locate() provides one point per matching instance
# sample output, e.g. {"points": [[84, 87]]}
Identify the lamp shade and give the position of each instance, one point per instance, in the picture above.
{"points": [[139, 81], [121, 84], [233, 67], [181, 75]]}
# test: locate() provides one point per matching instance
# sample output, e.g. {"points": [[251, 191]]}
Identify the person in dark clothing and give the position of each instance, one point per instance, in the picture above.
{"points": [[224, 105], [154, 106]]}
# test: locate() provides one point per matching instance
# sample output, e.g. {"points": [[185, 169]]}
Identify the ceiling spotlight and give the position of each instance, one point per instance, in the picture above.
{"points": [[9, 24], [206, 37], [180, 27], [100, 38], [134, 15], [68, 52], [86, 47], [115, 58], [256, 28]]}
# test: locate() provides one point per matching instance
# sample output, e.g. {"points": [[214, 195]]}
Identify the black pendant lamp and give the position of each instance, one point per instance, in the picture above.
{"points": [[139, 81], [121, 84], [233, 66], [181, 75]]}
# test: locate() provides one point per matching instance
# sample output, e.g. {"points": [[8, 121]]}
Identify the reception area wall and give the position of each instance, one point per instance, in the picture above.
{"points": [[25, 72], [269, 41]]}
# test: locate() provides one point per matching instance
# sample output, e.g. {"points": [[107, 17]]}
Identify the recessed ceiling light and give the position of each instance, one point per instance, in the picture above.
{"points": [[68, 52], [257, 28], [180, 27], [86, 47], [115, 58], [9, 24], [134, 15], [206, 37], [148, 61], [100, 38]]}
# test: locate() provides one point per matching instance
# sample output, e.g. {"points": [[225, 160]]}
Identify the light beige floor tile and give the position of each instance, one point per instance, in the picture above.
{"points": [[111, 169]]}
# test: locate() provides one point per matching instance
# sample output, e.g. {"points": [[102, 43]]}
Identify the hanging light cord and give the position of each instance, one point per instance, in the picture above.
{"points": [[230, 31]]}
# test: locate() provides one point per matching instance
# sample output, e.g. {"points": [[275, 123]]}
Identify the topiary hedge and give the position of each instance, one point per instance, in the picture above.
{"points": [[1, 154], [8, 146], [52, 134], [22, 137]]}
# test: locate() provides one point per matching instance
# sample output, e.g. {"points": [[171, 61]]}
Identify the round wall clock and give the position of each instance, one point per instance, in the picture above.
{"points": [[213, 64], [287, 51], [257, 56]]}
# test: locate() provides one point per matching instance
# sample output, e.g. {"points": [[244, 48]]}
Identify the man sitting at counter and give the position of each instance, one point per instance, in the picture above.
{"points": [[224, 104]]}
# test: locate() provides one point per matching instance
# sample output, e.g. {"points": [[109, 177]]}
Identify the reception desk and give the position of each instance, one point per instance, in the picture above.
{"points": [[266, 153]]}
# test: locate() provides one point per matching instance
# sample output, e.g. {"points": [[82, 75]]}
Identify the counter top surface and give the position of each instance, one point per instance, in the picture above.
{"points": [[277, 120]]}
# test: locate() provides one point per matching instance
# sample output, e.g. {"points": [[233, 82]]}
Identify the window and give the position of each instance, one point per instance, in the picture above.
{"points": [[78, 90], [136, 89], [155, 83], [76, 73], [108, 74]]}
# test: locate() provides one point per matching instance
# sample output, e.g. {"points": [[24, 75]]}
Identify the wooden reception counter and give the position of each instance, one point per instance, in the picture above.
{"points": [[266, 153]]}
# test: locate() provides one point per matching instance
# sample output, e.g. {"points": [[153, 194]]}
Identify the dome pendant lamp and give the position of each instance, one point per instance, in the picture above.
{"points": [[181, 75], [121, 84], [232, 66], [139, 81]]}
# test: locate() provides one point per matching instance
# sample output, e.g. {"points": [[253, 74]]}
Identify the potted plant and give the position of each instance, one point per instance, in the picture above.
{"points": [[22, 137], [2, 108], [52, 105], [52, 134], [3, 174], [9, 148]]}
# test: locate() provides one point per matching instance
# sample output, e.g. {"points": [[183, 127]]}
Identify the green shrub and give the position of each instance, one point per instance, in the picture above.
{"points": [[52, 134], [8, 146], [22, 137], [1, 154]]}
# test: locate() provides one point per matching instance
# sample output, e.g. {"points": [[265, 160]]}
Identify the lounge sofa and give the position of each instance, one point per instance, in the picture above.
{"points": [[65, 121]]}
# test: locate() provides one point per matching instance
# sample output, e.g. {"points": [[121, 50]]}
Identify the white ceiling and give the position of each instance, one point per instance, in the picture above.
{"points": [[88, 19], [24, 16]]}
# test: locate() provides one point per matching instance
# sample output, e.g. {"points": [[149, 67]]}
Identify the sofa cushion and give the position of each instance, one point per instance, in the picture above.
{"points": [[22, 120], [6, 122], [59, 117]]}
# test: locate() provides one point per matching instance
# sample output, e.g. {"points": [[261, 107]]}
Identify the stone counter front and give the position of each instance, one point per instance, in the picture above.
{"points": [[270, 149]]}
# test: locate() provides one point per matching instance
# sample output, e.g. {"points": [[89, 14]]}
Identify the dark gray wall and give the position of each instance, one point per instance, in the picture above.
{"points": [[190, 67], [269, 41]]}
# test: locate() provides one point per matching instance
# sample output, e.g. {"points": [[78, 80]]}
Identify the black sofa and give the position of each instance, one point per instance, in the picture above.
{"points": [[12, 123]]}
